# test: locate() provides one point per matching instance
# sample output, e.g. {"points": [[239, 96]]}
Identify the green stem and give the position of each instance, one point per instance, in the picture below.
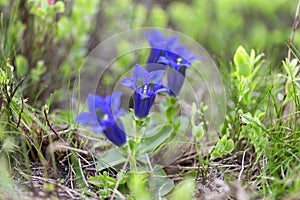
{"points": [[132, 161], [133, 148]]}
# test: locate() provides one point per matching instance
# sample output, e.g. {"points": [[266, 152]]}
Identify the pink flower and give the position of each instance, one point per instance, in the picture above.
{"points": [[51, 2]]}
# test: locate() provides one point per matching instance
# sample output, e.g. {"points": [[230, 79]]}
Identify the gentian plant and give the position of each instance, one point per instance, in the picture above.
{"points": [[145, 85], [146, 136], [167, 56], [103, 117]]}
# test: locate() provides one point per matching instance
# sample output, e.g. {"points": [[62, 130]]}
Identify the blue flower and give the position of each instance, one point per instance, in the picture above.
{"points": [[160, 44], [173, 56], [145, 86], [177, 65], [103, 117]]}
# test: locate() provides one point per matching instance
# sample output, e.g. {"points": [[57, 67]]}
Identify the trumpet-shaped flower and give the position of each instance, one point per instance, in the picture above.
{"points": [[145, 86], [103, 117], [177, 65], [169, 53]]}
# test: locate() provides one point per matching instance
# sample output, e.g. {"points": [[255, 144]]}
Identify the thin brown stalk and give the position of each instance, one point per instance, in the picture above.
{"points": [[290, 44], [49, 125], [115, 191], [295, 26]]}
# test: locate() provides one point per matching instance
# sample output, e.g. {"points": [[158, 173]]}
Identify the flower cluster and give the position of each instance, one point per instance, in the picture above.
{"points": [[167, 56]]}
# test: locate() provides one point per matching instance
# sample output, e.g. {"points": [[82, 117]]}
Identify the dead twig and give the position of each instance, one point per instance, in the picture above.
{"points": [[290, 44], [21, 111], [243, 167], [18, 85], [49, 125], [81, 173], [115, 191], [70, 192], [295, 26]]}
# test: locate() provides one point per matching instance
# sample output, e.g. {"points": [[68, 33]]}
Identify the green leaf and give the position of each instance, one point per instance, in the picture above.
{"points": [[171, 108], [220, 147], [21, 65], [193, 112], [151, 143], [76, 166], [184, 126], [224, 146], [38, 71], [215, 154], [60, 6], [103, 180], [229, 146], [254, 121], [158, 17], [242, 62], [6, 180], [184, 190], [49, 187], [137, 185], [153, 131], [247, 118], [198, 131], [111, 158], [96, 181], [159, 185], [128, 124]]}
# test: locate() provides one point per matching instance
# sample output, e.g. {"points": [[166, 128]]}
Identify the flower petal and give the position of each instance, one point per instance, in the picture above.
{"points": [[119, 113], [142, 105], [155, 66], [157, 40], [115, 101], [156, 76], [172, 43], [94, 102], [140, 74], [87, 119], [97, 129], [129, 83], [160, 88], [154, 38], [163, 60], [176, 80], [115, 133], [154, 55]]}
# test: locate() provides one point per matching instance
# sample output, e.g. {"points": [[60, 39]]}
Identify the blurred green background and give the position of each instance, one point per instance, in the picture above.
{"points": [[220, 26], [43, 44], [47, 43]]}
